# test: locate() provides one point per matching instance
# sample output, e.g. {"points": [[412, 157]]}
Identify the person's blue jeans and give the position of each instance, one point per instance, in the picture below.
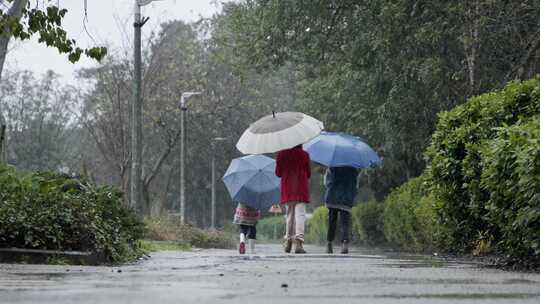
{"points": [[249, 231]]}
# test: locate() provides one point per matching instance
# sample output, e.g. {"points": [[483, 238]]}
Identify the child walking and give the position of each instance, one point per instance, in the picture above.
{"points": [[293, 167], [247, 218], [341, 189]]}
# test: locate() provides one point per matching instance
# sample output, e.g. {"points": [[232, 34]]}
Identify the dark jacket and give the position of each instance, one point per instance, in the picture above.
{"points": [[341, 186], [293, 166]]}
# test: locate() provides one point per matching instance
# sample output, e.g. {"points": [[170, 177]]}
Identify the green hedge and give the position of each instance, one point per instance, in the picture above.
{"points": [[511, 176], [161, 229], [367, 223], [49, 211], [317, 226], [484, 170], [411, 218], [455, 160], [270, 225]]}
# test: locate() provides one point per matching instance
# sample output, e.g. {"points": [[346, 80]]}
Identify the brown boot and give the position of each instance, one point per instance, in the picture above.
{"points": [[298, 247], [287, 246], [345, 248]]}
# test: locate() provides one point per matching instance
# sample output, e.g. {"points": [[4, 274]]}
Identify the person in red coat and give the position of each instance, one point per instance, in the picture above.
{"points": [[293, 167]]}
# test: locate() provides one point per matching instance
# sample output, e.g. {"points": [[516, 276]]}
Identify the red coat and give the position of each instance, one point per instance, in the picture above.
{"points": [[292, 165]]}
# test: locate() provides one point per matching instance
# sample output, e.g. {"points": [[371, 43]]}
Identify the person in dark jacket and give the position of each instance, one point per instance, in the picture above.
{"points": [[293, 167], [341, 190]]}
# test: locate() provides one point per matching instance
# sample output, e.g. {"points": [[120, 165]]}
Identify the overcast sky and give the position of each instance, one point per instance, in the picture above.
{"points": [[110, 23]]}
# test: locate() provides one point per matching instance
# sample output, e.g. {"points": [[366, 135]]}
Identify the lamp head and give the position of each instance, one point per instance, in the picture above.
{"points": [[189, 94], [185, 96], [145, 2]]}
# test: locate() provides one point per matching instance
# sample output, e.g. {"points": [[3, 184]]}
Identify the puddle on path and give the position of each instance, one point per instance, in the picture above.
{"points": [[464, 296], [445, 296], [42, 274], [427, 264], [307, 256]]}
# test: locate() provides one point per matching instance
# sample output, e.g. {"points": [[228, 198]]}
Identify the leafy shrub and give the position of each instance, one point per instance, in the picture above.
{"points": [[511, 176], [411, 220], [162, 229], [367, 223], [153, 246], [50, 211], [271, 228], [206, 238], [455, 155], [317, 226]]}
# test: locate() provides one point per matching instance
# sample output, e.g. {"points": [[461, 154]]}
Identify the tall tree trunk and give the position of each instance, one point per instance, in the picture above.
{"points": [[2, 141], [148, 176], [471, 43], [521, 68], [161, 202], [16, 12], [145, 199], [124, 179]]}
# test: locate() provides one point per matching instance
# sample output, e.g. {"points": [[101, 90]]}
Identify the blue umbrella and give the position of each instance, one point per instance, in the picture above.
{"points": [[251, 180], [341, 150]]}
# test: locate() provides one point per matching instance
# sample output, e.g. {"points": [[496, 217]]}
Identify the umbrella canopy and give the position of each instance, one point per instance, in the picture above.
{"points": [[278, 132], [251, 180], [341, 150]]}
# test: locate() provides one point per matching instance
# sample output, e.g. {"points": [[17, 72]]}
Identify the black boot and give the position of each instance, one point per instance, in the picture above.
{"points": [[329, 248], [344, 247]]}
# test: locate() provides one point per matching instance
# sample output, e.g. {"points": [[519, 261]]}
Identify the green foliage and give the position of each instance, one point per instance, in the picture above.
{"points": [[481, 188], [317, 226], [411, 220], [206, 238], [272, 227], [399, 220], [46, 22], [160, 229], [58, 260], [166, 230], [511, 176], [367, 223], [455, 155], [383, 69], [153, 246], [50, 211]]}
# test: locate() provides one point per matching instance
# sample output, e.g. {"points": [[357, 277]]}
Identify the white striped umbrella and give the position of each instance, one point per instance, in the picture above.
{"points": [[278, 131]]}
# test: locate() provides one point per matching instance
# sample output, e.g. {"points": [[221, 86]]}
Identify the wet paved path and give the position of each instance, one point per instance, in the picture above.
{"points": [[221, 276]]}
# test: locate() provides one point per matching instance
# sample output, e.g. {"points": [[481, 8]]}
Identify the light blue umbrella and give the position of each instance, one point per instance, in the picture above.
{"points": [[334, 149], [251, 180]]}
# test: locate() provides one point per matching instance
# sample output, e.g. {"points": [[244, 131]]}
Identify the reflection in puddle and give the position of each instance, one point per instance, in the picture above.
{"points": [[431, 264], [450, 296], [464, 296]]}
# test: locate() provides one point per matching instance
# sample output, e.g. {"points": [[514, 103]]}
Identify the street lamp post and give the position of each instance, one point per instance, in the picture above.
{"points": [[183, 108], [213, 176], [136, 108]]}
